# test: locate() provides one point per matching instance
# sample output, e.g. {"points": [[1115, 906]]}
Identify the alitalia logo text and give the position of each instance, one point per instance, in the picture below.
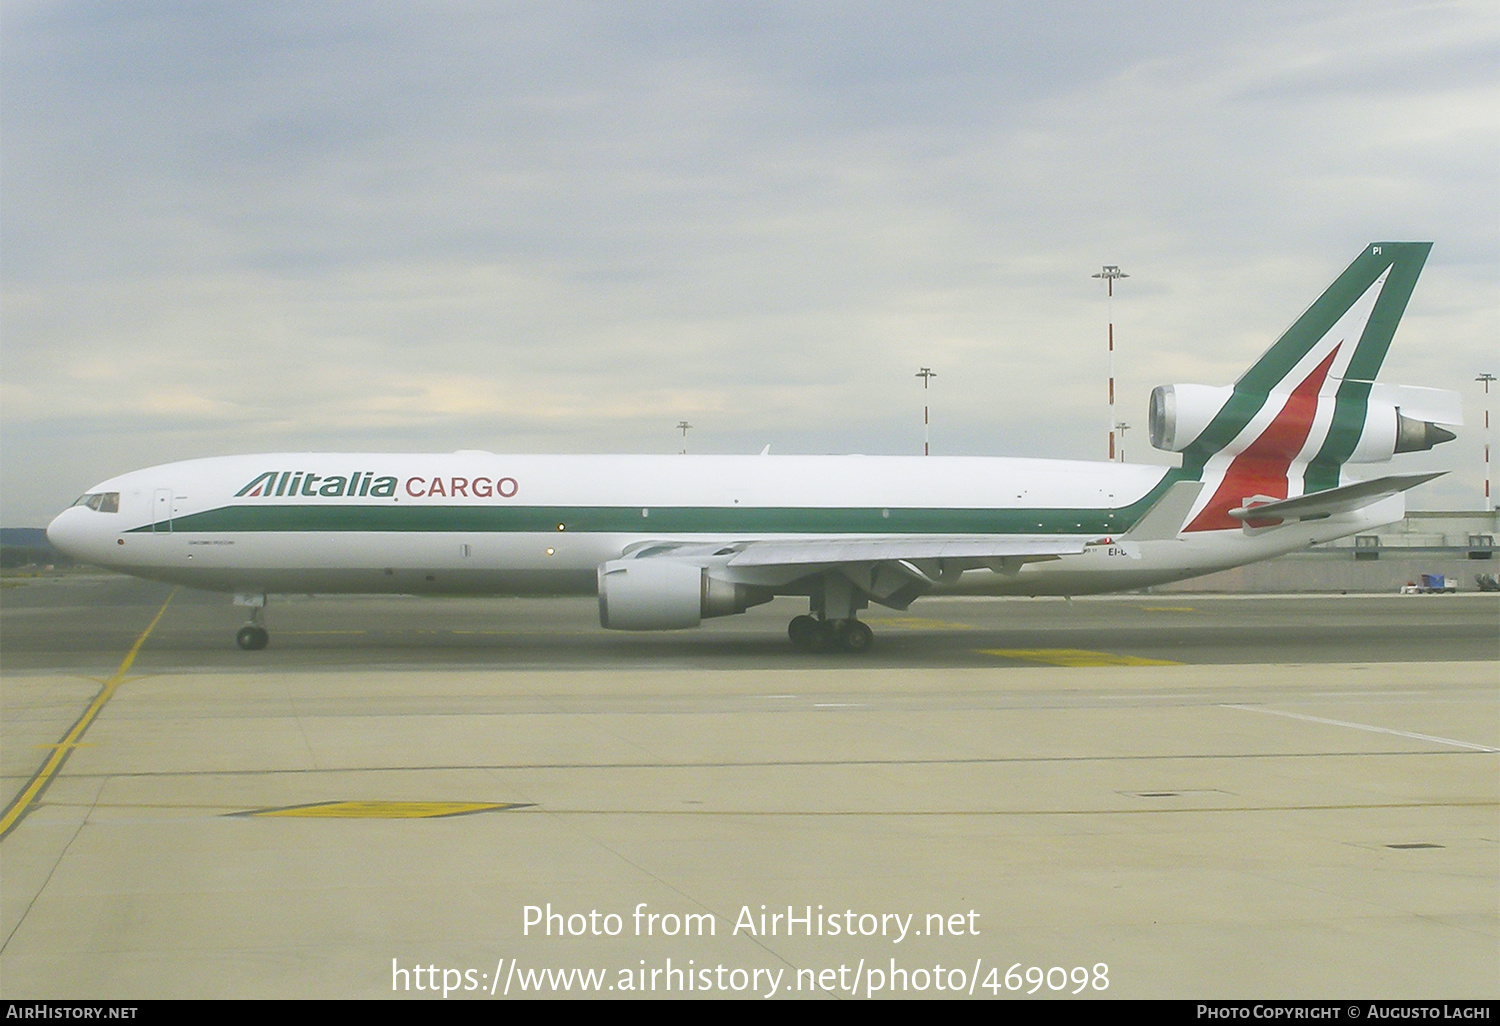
{"points": [[365, 484]]}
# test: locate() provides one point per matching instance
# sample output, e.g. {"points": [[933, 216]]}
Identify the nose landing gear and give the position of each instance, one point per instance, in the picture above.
{"points": [[253, 636]]}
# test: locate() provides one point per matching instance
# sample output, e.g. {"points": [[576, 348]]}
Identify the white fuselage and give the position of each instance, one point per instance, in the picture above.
{"points": [[482, 523]]}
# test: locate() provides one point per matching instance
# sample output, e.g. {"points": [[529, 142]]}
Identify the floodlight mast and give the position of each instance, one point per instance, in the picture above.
{"points": [[926, 374], [1109, 274], [1486, 378]]}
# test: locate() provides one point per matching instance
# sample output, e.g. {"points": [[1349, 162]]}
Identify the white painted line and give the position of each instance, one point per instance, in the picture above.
{"points": [[1364, 726]]}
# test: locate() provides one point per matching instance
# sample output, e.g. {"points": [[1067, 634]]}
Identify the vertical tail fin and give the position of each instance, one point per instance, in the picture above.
{"points": [[1301, 411]]}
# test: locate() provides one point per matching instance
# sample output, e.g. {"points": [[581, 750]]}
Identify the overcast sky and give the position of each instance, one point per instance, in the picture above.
{"points": [[565, 227]]}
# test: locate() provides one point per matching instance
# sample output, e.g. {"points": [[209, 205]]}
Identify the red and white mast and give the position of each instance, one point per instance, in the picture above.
{"points": [[1109, 274], [926, 374], [1487, 378]]}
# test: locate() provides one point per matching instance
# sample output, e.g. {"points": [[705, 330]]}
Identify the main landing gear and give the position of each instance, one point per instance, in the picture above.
{"points": [[834, 603], [814, 635], [253, 636]]}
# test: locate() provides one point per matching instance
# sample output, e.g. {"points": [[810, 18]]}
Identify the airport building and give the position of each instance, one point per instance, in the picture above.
{"points": [[1457, 545]]}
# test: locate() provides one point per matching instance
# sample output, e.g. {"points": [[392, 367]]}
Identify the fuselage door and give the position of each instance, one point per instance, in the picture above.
{"points": [[161, 511]]}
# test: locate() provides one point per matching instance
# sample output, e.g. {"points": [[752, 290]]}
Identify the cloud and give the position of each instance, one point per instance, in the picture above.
{"points": [[552, 227]]}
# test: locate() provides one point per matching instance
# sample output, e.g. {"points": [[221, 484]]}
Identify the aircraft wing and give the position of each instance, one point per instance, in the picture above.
{"points": [[1162, 521], [806, 551], [1326, 503], [892, 570], [896, 569]]}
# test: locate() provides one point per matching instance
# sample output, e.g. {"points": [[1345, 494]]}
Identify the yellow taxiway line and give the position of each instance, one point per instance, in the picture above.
{"points": [[33, 790], [384, 810], [1073, 657]]}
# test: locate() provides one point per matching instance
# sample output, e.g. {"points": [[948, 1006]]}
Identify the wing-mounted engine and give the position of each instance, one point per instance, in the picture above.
{"points": [[666, 593]]}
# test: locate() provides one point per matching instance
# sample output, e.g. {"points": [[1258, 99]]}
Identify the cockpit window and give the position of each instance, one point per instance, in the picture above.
{"points": [[102, 502]]}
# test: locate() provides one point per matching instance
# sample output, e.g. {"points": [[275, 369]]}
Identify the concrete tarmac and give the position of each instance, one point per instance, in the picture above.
{"points": [[1141, 797]]}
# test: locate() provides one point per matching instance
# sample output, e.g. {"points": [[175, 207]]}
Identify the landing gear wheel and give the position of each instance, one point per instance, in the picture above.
{"points": [[252, 638], [806, 633], [856, 637]]}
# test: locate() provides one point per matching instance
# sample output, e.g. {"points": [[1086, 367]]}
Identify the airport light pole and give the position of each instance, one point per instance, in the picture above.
{"points": [[1486, 378], [1109, 274], [926, 374], [1122, 427], [683, 426]]}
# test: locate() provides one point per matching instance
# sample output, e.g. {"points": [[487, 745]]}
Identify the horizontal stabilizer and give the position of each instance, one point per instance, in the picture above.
{"points": [[1163, 521], [1334, 500], [1438, 405]]}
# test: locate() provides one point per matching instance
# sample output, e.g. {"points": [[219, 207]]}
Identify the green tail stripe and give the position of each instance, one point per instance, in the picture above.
{"points": [[1353, 397], [1255, 385]]}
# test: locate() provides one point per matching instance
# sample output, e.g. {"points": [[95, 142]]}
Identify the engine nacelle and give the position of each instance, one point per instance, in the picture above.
{"points": [[1405, 418], [667, 594], [1179, 413], [1398, 418], [1388, 431]]}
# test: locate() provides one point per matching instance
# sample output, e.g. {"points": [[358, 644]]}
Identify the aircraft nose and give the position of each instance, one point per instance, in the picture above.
{"points": [[67, 534]]}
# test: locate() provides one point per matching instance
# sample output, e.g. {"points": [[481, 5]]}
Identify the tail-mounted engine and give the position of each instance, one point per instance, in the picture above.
{"points": [[1179, 413], [1398, 418]]}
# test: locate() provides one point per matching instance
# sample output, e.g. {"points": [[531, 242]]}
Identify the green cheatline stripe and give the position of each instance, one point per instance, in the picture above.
{"points": [[667, 520]]}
